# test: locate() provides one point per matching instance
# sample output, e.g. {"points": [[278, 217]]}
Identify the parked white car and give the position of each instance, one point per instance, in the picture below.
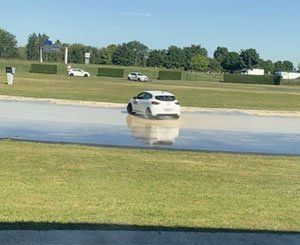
{"points": [[78, 73], [153, 104], [137, 76]]}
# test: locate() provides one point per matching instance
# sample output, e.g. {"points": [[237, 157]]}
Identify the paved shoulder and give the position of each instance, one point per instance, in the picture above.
{"points": [[142, 237]]}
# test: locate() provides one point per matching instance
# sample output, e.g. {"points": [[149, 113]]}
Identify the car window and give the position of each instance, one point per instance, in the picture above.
{"points": [[147, 96], [141, 96], [133, 74], [165, 98]]}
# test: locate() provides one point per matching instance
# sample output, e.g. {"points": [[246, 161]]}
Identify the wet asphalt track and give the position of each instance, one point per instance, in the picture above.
{"points": [[200, 131]]}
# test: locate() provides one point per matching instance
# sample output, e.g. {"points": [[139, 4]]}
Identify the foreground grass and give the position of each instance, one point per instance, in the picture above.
{"points": [[63, 183], [191, 93]]}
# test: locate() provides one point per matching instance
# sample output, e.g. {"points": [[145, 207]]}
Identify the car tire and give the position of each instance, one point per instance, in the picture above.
{"points": [[85, 75], [128, 78], [148, 114], [139, 80], [176, 116], [71, 75], [130, 109]]}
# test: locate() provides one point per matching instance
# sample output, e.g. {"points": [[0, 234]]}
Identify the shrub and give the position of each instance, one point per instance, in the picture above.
{"points": [[170, 75], [251, 79], [111, 72], [41, 68]]}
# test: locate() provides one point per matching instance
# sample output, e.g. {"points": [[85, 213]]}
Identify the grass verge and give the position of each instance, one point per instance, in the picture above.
{"points": [[78, 184], [206, 94]]}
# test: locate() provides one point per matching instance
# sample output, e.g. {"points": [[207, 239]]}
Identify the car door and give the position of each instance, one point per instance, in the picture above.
{"points": [[144, 103], [80, 73], [132, 76], [138, 102], [76, 73]]}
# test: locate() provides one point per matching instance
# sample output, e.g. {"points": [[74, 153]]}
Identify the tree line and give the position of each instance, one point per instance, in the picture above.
{"points": [[134, 53]]}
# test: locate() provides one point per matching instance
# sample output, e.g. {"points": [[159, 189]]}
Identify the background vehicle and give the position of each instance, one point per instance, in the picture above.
{"points": [[78, 73], [287, 75], [153, 104], [253, 72], [137, 76]]}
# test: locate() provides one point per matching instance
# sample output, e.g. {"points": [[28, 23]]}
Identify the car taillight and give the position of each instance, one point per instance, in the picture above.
{"points": [[154, 103], [177, 103]]}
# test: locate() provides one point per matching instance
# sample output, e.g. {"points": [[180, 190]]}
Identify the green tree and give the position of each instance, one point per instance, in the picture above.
{"points": [[214, 66], [278, 65], [123, 56], [156, 58], [267, 65], [107, 53], [76, 53], [34, 42], [199, 63], [190, 52], [287, 66], [8, 45], [233, 62], [250, 57], [32, 47], [175, 58], [22, 53], [220, 54], [131, 53]]}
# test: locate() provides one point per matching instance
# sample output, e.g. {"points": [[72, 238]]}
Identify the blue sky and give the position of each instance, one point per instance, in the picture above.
{"points": [[270, 26]]}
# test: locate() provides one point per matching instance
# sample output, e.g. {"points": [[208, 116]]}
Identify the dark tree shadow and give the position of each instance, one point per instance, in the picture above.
{"points": [[109, 227]]}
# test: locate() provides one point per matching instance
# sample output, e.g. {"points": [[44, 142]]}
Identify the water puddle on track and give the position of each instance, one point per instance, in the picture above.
{"points": [[203, 131]]}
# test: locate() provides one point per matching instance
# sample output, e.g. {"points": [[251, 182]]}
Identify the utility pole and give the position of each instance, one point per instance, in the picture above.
{"points": [[66, 55], [41, 54]]}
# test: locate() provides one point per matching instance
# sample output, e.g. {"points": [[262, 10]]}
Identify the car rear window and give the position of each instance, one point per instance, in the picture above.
{"points": [[165, 98]]}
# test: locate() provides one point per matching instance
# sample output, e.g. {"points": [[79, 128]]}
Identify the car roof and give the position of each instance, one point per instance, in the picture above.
{"points": [[158, 92]]}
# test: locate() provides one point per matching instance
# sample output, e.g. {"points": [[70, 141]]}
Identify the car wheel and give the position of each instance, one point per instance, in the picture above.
{"points": [[71, 75], [139, 80], [148, 114], [85, 75], [128, 78], [176, 116], [130, 109]]}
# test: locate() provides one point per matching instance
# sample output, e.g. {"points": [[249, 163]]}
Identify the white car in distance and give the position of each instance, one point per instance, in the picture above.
{"points": [[154, 104], [137, 76], [78, 73]]}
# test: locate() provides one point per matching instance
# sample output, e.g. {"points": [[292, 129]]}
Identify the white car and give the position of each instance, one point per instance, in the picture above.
{"points": [[78, 73], [153, 104], [137, 76]]}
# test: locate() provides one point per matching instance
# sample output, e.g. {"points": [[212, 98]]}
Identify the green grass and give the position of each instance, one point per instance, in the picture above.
{"points": [[78, 184], [207, 91], [190, 93], [24, 66]]}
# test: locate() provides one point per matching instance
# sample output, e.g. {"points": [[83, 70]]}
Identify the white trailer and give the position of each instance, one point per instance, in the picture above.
{"points": [[253, 72], [288, 75]]}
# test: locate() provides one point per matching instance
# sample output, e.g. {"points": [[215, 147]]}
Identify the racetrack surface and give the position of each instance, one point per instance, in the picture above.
{"points": [[203, 131]]}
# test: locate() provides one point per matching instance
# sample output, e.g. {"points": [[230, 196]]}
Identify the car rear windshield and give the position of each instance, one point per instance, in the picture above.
{"points": [[165, 98]]}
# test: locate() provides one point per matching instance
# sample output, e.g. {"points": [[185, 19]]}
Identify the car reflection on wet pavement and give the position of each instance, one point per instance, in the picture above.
{"points": [[153, 132]]}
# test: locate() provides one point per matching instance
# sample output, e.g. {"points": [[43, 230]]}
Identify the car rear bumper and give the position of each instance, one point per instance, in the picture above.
{"points": [[158, 111]]}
